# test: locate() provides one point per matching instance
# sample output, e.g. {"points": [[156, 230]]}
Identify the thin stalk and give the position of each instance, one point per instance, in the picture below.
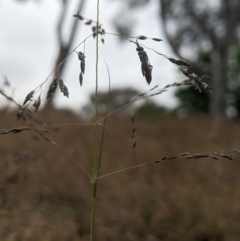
{"points": [[127, 168], [104, 122], [95, 158]]}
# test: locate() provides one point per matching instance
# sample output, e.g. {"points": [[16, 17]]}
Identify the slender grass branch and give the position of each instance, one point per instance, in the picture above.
{"points": [[104, 121], [39, 87], [126, 169], [95, 152]]}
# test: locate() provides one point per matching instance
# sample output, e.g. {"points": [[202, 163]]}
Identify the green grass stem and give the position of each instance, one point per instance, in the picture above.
{"points": [[95, 153]]}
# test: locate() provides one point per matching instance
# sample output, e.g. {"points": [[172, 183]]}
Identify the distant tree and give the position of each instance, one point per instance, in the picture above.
{"points": [[189, 99], [114, 101], [64, 42], [149, 108], [192, 101], [191, 25], [123, 20], [119, 98], [234, 83], [5, 88]]}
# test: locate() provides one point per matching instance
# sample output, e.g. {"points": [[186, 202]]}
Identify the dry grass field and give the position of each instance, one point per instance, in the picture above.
{"points": [[44, 195]]}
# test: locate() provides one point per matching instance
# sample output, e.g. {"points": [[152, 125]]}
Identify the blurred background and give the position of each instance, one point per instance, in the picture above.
{"points": [[45, 196], [37, 36]]}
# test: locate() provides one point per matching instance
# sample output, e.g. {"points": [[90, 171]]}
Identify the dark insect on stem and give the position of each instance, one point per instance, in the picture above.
{"points": [[146, 67]]}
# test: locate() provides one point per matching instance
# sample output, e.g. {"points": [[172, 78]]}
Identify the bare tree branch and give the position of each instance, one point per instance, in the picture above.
{"points": [[64, 47]]}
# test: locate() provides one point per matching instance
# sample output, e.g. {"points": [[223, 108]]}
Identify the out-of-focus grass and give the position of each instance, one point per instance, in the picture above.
{"points": [[45, 196]]}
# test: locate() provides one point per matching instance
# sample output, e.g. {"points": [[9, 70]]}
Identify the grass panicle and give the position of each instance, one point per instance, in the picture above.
{"points": [[81, 57], [134, 134], [45, 131]]}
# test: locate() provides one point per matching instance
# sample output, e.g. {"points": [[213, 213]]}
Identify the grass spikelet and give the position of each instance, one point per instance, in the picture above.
{"points": [[29, 97], [196, 81], [15, 130], [179, 62], [52, 88], [81, 79], [134, 133], [226, 156], [213, 157], [81, 57], [82, 66], [156, 39], [63, 88], [184, 154], [141, 37], [37, 104], [23, 111], [187, 155], [170, 158], [65, 91], [89, 22], [78, 16], [201, 155], [61, 84], [96, 29]]}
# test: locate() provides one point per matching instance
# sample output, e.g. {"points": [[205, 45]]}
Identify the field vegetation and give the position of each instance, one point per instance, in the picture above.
{"points": [[46, 196]]}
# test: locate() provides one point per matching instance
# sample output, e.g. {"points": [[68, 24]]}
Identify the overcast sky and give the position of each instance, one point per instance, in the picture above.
{"points": [[28, 47]]}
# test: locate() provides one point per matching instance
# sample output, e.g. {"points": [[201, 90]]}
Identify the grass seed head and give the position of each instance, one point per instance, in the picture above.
{"points": [[28, 97], [157, 39], [78, 16], [61, 84], [37, 104], [23, 111], [82, 66], [52, 88], [81, 79], [81, 56], [63, 88], [89, 22]]}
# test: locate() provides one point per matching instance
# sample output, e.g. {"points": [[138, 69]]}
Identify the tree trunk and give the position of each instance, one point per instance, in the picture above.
{"points": [[219, 83], [64, 47]]}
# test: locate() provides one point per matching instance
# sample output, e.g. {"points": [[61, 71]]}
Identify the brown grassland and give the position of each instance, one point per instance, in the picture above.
{"points": [[44, 195]]}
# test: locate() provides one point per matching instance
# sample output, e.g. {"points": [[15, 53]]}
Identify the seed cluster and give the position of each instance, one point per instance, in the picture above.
{"points": [[53, 86], [96, 28], [81, 57]]}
